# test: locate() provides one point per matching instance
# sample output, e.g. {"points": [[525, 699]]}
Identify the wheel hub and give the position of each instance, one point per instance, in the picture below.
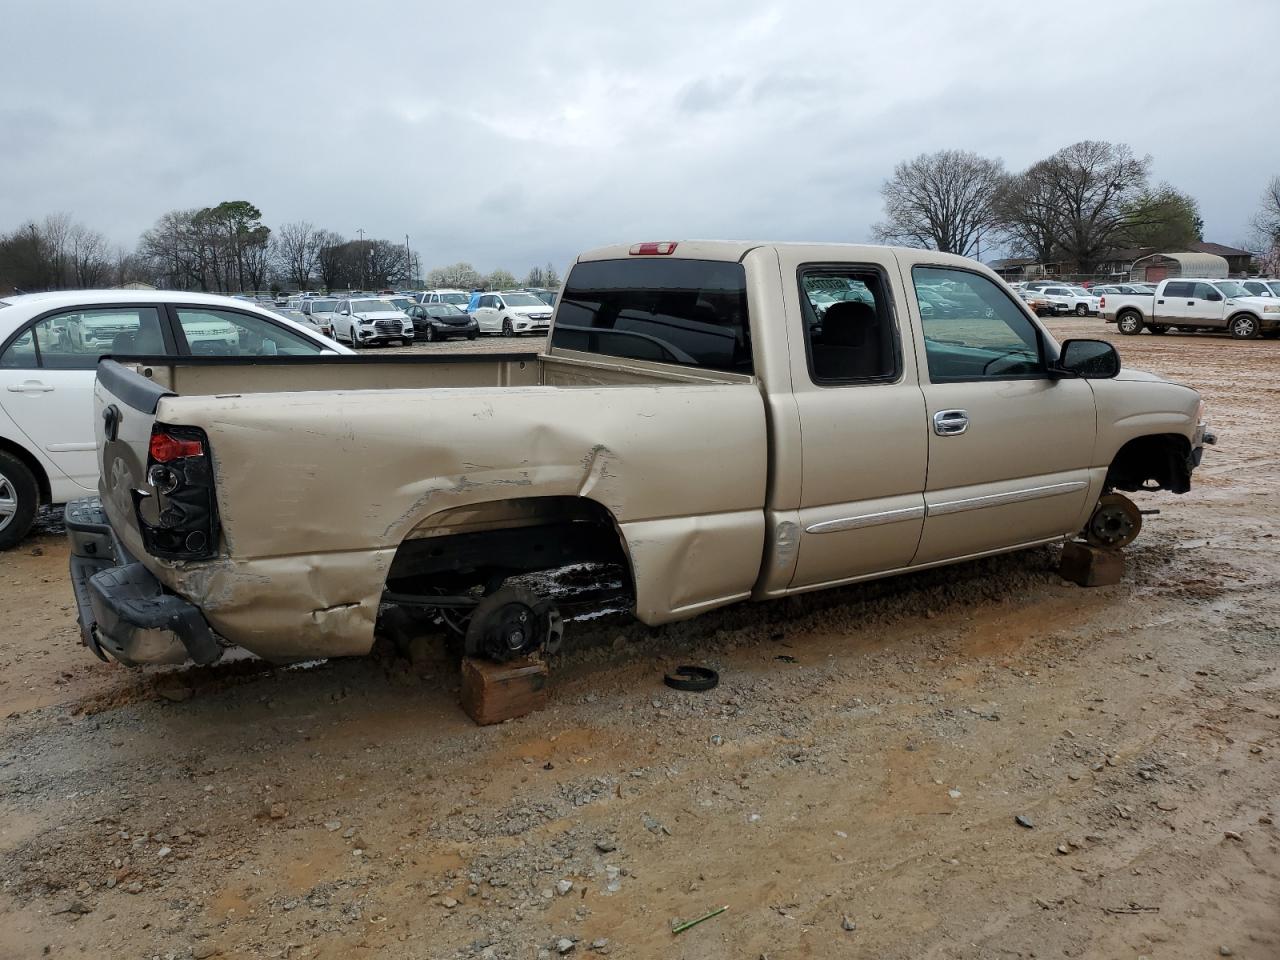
{"points": [[1115, 523], [513, 622]]}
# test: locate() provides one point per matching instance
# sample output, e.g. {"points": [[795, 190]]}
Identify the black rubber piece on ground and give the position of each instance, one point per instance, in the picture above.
{"points": [[692, 678]]}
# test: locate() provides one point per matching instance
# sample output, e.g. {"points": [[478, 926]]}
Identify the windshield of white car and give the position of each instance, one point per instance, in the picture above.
{"points": [[454, 298], [371, 306], [323, 306], [522, 300], [1081, 292], [1230, 288]]}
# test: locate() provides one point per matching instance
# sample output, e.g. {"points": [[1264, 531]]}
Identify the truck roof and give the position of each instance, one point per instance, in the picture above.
{"points": [[735, 250]]}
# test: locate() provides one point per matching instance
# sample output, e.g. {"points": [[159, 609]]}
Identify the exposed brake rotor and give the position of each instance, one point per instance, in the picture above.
{"points": [[1116, 522], [513, 622]]}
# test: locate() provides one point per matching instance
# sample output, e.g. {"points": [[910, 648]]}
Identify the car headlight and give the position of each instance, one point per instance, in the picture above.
{"points": [[1273, 308]]}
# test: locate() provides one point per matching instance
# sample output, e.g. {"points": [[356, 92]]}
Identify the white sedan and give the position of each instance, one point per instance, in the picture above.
{"points": [[49, 349]]}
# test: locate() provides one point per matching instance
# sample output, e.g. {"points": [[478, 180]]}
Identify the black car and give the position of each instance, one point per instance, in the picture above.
{"points": [[440, 321]]}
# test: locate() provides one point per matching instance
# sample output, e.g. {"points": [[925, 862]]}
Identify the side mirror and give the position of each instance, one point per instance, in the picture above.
{"points": [[1214, 295], [1088, 360]]}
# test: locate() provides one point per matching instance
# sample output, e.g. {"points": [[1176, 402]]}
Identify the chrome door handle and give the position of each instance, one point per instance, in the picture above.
{"points": [[950, 423], [30, 386]]}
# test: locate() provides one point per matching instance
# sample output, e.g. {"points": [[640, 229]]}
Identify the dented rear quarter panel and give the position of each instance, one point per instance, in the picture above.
{"points": [[316, 491]]}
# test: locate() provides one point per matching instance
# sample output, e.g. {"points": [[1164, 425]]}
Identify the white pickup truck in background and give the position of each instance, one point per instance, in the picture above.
{"points": [[1188, 304]]}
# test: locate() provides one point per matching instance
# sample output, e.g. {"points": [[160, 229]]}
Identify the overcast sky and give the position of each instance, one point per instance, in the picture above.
{"points": [[511, 134]]}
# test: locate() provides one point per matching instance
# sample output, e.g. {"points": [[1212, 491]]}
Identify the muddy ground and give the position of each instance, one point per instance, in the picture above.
{"points": [[850, 789]]}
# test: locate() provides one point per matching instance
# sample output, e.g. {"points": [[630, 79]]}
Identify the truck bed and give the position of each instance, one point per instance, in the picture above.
{"points": [[220, 376], [325, 468]]}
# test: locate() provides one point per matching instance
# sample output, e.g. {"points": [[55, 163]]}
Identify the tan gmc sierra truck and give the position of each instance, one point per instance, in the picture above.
{"points": [[721, 421]]}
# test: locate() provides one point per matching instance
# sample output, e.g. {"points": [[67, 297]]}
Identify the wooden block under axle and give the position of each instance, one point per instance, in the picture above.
{"points": [[493, 692], [1090, 566]]}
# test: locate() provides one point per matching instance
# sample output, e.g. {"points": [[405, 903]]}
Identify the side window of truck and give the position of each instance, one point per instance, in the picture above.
{"points": [[850, 335], [973, 330], [1179, 288]]}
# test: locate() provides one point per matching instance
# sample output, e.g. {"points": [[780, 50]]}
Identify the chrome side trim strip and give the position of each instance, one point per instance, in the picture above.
{"points": [[1000, 499], [867, 520]]}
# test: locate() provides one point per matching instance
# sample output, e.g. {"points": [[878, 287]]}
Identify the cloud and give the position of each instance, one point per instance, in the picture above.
{"points": [[511, 134]]}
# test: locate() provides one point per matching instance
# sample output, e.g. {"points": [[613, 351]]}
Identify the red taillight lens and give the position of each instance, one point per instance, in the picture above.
{"points": [[165, 448], [1102, 302], [653, 249]]}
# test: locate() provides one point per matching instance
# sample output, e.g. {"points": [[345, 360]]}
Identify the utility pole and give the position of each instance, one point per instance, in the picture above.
{"points": [[408, 260], [364, 257]]}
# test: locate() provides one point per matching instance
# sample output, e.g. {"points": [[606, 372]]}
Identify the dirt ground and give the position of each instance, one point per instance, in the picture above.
{"points": [[849, 790]]}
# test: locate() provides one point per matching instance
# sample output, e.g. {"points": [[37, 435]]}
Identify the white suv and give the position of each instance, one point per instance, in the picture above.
{"points": [[512, 313], [365, 321], [1068, 299]]}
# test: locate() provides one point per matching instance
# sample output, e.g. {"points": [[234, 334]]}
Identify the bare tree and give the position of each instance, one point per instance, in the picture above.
{"points": [[329, 258], [298, 252], [87, 256], [1092, 184], [551, 278], [943, 201], [388, 263], [1029, 221], [535, 278], [1266, 222]]}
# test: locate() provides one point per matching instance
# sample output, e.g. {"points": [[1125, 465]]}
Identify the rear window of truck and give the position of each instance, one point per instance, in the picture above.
{"points": [[687, 312]]}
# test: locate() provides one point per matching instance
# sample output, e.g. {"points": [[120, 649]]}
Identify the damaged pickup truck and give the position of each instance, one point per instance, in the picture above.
{"points": [[719, 421]]}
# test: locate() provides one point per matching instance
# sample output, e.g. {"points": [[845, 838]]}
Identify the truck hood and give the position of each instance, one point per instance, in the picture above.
{"points": [[1128, 373]]}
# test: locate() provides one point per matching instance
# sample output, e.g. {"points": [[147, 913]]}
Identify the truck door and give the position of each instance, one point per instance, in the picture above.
{"points": [[1206, 305], [861, 414], [1009, 447], [1172, 302]]}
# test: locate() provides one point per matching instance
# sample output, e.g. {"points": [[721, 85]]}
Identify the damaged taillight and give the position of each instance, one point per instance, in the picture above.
{"points": [[165, 446], [178, 514]]}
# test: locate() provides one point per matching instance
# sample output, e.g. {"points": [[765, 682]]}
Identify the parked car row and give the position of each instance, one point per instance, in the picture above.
{"points": [[369, 320], [1050, 298], [1190, 304]]}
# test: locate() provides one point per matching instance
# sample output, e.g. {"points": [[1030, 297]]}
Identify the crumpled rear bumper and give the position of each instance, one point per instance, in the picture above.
{"points": [[123, 610]]}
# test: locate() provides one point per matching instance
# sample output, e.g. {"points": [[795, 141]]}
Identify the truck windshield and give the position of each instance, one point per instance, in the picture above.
{"points": [[1230, 288], [688, 312]]}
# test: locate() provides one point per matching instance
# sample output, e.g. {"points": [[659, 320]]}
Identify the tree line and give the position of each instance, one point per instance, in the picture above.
{"points": [[227, 248], [1079, 205]]}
